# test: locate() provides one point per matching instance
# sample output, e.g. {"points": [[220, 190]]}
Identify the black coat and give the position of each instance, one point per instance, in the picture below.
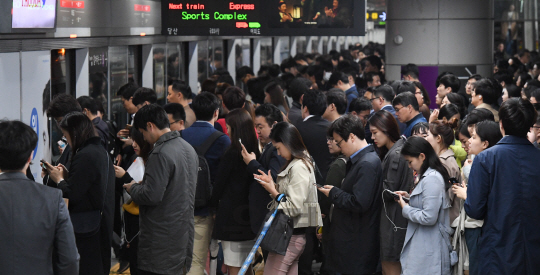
{"points": [[353, 236], [397, 176], [258, 196], [313, 132], [86, 187], [230, 194]]}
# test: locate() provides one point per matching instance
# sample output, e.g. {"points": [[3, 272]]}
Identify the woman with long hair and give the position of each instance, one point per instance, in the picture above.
{"points": [[131, 209], [396, 176], [231, 192], [89, 187], [297, 182], [485, 134], [425, 250], [441, 136], [273, 93], [423, 99]]}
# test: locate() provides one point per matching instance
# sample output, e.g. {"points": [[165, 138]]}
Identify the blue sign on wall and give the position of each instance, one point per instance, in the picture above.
{"points": [[34, 123]]}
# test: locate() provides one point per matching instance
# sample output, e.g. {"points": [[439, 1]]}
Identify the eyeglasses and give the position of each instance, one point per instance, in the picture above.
{"points": [[397, 110], [373, 99], [339, 143]]}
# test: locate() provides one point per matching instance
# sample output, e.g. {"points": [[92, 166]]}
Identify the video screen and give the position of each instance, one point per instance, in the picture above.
{"points": [[311, 14], [33, 14], [264, 17]]}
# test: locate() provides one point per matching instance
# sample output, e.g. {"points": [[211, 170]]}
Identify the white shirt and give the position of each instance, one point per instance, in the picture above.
{"points": [[308, 117]]}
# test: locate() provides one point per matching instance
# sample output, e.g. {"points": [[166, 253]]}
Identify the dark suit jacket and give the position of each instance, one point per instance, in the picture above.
{"points": [[195, 135], [258, 196], [353, 237], [36, 235], [313, 132]]}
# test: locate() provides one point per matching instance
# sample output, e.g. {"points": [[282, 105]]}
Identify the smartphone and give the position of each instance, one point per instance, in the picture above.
{"points": [[454, 181], [128, 127], [260, 180], [240, 140], [396, 196], [43, 164], [318, 185]]}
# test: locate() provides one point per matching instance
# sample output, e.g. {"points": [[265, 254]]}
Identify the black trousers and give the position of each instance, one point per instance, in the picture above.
{"points": [[131, 223], [306, 259]]}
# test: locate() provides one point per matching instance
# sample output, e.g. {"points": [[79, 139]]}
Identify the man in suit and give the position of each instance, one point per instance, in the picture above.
{"points": [[266, 116], [206, 108], [381, 99], [36, 233], [296, 90], [341, 80], [313, 131]]}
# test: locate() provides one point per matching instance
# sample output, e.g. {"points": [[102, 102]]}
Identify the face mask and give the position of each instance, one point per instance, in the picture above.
{"points": [[327, 76]]}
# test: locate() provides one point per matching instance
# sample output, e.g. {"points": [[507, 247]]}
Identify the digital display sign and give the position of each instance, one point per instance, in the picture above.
{"points": [[33, 14], [263, 17]]}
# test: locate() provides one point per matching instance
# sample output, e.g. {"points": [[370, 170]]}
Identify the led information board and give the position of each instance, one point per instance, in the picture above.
{"points": [[263, 17]]}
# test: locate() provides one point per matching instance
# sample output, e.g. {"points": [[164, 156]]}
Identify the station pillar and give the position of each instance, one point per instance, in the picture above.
{"points": [[439, 35]]}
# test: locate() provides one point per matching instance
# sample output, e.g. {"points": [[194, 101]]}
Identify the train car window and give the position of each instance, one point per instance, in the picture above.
{"points": [[160, 79]]}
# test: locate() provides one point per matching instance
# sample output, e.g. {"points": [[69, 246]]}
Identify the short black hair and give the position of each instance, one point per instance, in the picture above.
{"points": [[180, 86], [411, 70], [384, 91], [374, 61], [536, 94], [360, 104], [17, 140], [448, 111], [406, 86], [489, 131], [517, 117], [287, 64], [479, 114], [315, 101], [89, 103], [298, 87], [204, 105], [346, 125], [475, 77], [234, 98], [63, 104], [336, 77], [144, 94], [368, 77], [127, 90], [405, 99], [504, 76], [513, 90], [338, 98], [451, 81], [270, 112], [176, 110], [151, 113], [487, 89], [243, 71]]}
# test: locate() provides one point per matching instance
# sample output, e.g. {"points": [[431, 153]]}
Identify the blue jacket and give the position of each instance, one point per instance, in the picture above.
{"points": [[195, 135], [504, 191], [351, 94], [402, 126], [410, 124]]}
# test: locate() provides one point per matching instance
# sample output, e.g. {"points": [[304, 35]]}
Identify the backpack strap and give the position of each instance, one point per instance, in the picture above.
{"points": [[208, 142]]}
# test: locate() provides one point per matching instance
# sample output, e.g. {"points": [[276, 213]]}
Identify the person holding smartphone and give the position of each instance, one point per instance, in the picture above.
{"points": [[296, 181], [396, 176], [89, 187], [426, 247], [231, 192]]}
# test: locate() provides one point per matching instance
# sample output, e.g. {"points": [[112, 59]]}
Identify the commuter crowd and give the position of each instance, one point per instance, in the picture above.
{"points": [[369, 178]]}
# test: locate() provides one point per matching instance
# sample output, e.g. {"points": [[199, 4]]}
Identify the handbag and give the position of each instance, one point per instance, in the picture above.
{"points": [[87, 223], [279, 233]]}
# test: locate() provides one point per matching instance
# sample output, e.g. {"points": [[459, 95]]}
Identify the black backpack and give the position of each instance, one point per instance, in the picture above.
{"points": [[203, 192]]}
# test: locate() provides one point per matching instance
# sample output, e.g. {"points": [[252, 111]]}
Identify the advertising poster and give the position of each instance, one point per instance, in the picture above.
{"points": [[36, 71]]}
